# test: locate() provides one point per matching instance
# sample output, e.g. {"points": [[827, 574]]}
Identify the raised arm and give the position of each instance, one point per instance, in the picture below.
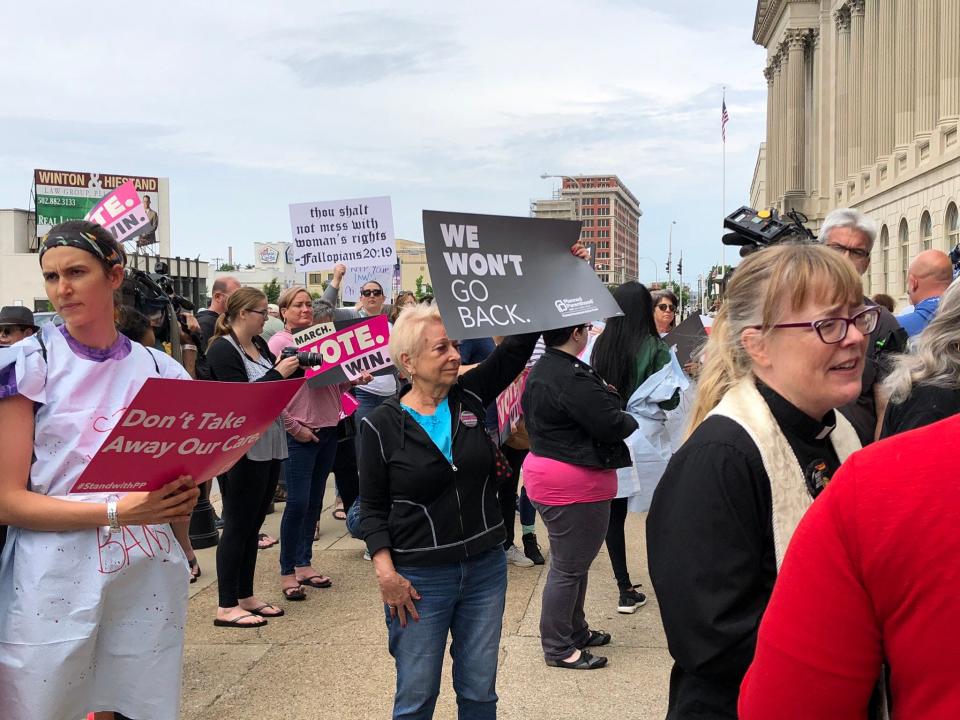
{"points": [[494, 375]]}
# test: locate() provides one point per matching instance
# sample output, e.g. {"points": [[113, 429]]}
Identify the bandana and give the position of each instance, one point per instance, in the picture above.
{"points": [[82, 241]]}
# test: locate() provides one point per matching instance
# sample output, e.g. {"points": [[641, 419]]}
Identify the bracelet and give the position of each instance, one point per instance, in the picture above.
{"points": [[113, 518], [189, 347]]}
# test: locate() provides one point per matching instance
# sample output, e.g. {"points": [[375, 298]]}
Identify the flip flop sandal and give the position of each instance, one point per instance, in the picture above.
{"points": [[294, 593], [194, 565], [259, 611], [316, 581], [235, 623], [339, 514], [264, 541], [316, 532]]}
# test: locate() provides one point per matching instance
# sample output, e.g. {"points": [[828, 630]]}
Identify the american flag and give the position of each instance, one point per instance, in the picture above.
{"points": [[724, 119]]}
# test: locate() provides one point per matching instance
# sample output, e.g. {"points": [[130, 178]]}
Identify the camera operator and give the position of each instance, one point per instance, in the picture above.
{"points": [[852, 233], [223, 288]]}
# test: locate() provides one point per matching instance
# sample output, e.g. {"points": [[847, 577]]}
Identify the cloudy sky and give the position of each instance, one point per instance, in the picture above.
{"points": [[250, 106]]}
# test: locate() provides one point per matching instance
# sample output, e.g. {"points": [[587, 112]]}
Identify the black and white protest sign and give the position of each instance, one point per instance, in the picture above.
{"points": [[497, 275], [356, 232]]}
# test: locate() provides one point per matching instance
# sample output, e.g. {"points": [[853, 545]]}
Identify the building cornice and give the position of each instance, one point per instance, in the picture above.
{"points": [[767, 17]]}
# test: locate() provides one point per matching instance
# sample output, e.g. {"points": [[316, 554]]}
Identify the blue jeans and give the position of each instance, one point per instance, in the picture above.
{"points": [[466, 600], [366, 403], [528, 516], [308, 466]]}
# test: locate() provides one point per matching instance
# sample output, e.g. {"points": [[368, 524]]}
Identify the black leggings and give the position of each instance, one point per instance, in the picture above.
{"points": [[247, 490], [507, 492], [617, 543], [345, 472]]}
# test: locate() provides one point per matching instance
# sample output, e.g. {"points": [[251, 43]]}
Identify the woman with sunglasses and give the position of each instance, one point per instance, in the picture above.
{"points": [[577, 426], [664, 311], [787, 347]]}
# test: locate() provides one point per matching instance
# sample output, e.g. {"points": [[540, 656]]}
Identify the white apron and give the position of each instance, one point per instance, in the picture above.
{"points": [[88, 621]]}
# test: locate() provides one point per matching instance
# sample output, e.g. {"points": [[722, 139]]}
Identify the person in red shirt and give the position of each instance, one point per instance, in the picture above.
{"points": [[870, 578]]}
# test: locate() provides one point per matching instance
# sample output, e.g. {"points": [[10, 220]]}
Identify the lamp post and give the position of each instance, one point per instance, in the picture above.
{"points": [[670, 251], [656, 271], [579, 201]]}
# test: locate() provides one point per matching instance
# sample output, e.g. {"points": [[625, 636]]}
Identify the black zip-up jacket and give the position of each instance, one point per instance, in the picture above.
{"points": [[413, 501], [573, 416]]}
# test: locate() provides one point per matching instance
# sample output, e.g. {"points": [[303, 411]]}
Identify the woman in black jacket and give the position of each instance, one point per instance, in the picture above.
{"points": [[924, 387], [577, 426], [430, 517], [237, 353]]}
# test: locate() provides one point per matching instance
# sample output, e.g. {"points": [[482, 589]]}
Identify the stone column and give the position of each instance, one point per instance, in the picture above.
{"points": [[796, 110], [841, 138], [868, 111], [781, 81], [927, 78], [768, 73], [905, 91], [886, 73], [949, 60], [855, 88], [815, 146]]}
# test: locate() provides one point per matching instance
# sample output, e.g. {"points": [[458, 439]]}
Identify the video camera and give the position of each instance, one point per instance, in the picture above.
{"points": [[154, 295], [753, 230]]}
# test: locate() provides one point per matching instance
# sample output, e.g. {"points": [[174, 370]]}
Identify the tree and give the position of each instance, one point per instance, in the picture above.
{"points": [[422, 289], [226, 267], [272, 291]]}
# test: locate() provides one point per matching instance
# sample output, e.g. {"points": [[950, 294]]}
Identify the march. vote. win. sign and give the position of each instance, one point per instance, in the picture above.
{"points": [[496, 275]]}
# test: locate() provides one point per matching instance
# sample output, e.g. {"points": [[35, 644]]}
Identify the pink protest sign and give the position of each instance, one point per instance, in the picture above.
{"points": [[508, 407], [353, 348], [183, 427], [122, 213]]}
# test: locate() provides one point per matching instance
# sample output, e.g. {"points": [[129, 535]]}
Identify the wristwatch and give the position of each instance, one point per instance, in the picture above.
{"points": [[112, 517]]}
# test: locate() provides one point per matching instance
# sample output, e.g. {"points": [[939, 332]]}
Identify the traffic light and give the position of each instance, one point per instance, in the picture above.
{"points": [[680, 267], [668, 267]]}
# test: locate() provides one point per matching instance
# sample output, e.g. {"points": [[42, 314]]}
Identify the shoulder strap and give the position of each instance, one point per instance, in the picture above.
{"points": [[150, 352], [43, 347]]}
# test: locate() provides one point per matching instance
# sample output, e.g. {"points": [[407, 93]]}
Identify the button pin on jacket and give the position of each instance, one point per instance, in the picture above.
{"points": [[468, 418]]}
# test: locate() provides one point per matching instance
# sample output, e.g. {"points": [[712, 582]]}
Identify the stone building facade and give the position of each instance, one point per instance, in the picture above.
{"points": [[862, 111]]}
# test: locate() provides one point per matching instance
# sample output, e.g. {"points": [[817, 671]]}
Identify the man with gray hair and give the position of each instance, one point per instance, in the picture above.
{"points": [[852, 233]]}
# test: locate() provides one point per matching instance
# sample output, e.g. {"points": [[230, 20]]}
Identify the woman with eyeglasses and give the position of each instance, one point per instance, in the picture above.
{"points": [[577, 428], [237, 353], [787, 347], [664, 311]]}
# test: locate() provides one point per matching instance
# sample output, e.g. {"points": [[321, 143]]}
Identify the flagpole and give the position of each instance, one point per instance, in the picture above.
{"points": [[724, 186]]}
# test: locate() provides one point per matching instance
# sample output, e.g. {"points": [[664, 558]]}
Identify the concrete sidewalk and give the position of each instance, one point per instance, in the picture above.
{"points": [[327, 658]]}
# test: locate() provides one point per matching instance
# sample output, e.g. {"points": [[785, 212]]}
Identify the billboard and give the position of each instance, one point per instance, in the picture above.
{"points": [[61, 195]]}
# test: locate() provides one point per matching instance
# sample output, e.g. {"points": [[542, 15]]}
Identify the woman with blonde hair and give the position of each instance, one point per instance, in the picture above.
{"points": [[787, 347], [924, 386], [237, 353]]}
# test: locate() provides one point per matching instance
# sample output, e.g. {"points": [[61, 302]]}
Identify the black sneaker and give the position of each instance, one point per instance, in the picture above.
{"points": [[630, 601], [531, 548]]}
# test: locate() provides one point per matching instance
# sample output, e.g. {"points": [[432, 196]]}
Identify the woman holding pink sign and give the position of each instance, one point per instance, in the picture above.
{"points": [[93, 586], [311, 423]]}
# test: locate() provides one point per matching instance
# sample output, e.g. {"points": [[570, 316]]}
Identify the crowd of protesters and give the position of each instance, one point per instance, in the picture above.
{"points": [[799, 573]]}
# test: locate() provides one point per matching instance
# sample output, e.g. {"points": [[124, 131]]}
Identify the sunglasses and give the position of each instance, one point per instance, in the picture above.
{"points": [[663, 307], [260, 312], [371, 293]]}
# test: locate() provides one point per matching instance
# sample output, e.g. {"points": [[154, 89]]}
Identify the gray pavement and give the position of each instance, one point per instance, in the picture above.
{"points": [[327, 658]]}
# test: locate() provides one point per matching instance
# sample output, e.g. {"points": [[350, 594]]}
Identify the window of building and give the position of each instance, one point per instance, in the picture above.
{"points": [[315, 279], [951, 227], [926, 232], [603, 223], [885, 259], [904, 237]]}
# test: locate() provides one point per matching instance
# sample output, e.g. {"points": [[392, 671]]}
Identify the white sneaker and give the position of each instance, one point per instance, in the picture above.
{"points": [[366, 555], [516, 557]]}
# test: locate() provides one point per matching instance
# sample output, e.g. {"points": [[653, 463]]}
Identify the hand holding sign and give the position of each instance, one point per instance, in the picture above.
{"points": [[496, 275], [173, 502]]}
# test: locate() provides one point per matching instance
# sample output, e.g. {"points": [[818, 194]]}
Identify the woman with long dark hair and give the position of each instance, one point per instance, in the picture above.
{"points": [[628, 351]]}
